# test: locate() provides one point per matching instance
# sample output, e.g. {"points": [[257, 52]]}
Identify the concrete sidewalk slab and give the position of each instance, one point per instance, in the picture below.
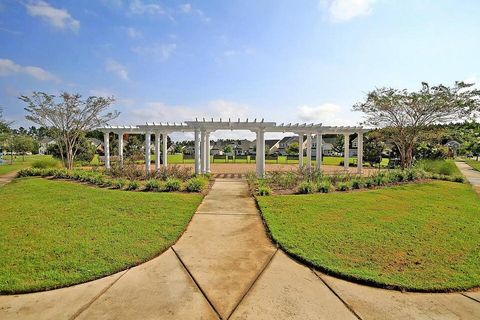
{"points": [[374, 303], [472, 175], [55, 304], [224, 253], [289, 290], [158, 289], [474, 295]]}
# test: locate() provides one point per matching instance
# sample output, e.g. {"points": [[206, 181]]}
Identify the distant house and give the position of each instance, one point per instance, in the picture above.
{"points": [[44, 144], [453, 147]]}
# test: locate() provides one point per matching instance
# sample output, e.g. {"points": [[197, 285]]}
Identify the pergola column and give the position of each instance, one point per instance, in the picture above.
{"points": [[106, 148], [309, 151], [120, 148], [157, 150], [300, 150], [207, 152], [147, 152], [203, 151], [165, 149], [360, 151], [318, 151], [197, 152], [346, 152], [260, 153]]}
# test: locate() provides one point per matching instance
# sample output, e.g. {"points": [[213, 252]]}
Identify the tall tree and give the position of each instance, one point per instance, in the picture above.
{"points": [[405, 115], [70, 117]]}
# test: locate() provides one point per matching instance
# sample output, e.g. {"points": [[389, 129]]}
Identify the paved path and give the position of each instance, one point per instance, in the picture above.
{"points": [[225, 267], [472, 175], [7, 177]]}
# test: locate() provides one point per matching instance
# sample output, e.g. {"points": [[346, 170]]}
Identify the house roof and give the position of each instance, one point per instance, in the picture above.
{"points": [[270, 143]]}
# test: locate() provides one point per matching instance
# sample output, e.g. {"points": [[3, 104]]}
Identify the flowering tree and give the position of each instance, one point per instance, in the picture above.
{"points": [[405, 115], [69, 116]]}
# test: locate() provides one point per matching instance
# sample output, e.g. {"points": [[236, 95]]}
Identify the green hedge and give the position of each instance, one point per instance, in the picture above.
{"points": [[195, 184]]}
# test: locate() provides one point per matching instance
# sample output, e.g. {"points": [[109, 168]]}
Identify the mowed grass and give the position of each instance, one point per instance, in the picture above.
{"points": [[440, 166], [421, 237], [55, 233], [473, 163], [19, 163]]}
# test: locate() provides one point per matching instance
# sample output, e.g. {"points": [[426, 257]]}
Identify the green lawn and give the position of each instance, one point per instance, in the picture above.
{"points": [[473, 163], [334, 161], [417, 237], [18, 163], [55, 233], [440, 166]]}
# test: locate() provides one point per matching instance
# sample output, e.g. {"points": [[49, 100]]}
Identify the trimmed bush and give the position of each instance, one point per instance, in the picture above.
{"points": [[264, 191], [306, 187], [172, 184], [195, 185], [46, 163]]}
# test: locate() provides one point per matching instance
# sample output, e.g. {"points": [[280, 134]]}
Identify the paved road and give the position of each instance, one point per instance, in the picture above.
{"points": [[225, 267], [472, 175]]}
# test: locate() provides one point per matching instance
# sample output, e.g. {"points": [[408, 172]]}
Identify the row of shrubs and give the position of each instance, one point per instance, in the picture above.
{"points": [[343, 182], [194, 184]]}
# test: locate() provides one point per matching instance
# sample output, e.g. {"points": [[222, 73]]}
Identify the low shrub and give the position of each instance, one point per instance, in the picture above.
{"points": [[357, 183], [195, 184], [369, 183], [264, 191], [343, 186], [459, 179], [172, 184], [46, 163], [324, 186], [306, 187], [118, 184], [152, 185], [132, 185]]}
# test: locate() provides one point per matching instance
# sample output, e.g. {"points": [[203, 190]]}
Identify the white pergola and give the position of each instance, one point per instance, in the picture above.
{"points": [[203, 128]]}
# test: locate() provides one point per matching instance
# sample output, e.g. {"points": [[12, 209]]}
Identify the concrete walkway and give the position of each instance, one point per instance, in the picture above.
{"points": [[472, 175], [225, 267], [7, 177]]}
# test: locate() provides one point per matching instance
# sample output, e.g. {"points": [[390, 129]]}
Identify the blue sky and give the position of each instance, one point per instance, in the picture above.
{"points": [[284, 61]]}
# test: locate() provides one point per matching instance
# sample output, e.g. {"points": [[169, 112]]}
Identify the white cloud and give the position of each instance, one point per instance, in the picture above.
{"points": [[8, 67], [243, 51], [344, 10], [327, 114], [139, 7], [186, 7], [58, 18], [134, 33], [160, 52], [117, 68]]}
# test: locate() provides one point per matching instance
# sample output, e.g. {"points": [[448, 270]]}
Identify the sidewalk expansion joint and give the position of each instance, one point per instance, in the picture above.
{"points": [[467, 296], [95, 298], [338, 296], [228, 214], [196, 283], [266, 264]]}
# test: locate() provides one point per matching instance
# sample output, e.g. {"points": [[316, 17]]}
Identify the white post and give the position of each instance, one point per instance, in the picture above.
{"points": [[106, 148], [319, 152], [346, 155], [120, 148], [165, 149], [300, 150], [157, 150], [360, 152], [197, 151], [309, 151], [260, 154], [207, 153], [147, 152], [203, 152]]}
